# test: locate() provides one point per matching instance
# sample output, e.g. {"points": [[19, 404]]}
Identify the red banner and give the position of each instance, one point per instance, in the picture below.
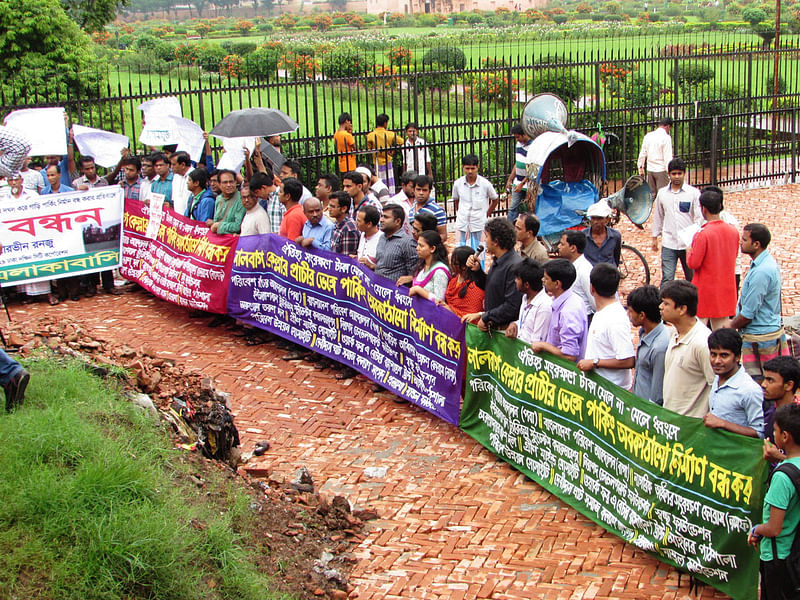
{"points": [[176, 258]]}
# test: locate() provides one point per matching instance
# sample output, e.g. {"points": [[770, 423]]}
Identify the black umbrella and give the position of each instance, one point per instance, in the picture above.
{"points": [[252, 122]]}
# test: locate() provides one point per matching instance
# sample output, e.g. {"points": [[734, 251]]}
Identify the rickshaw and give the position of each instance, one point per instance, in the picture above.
{"points": [[567, 173]]}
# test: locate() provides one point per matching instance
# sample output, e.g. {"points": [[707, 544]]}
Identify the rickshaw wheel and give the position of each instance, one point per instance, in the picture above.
{"points": [[634, 271]]}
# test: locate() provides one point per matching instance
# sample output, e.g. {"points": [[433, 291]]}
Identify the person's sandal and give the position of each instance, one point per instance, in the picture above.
{"points": [[52, 299]]}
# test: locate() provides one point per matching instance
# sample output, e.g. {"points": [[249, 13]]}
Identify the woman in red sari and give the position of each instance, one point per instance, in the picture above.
{"points": [[462, 296]]}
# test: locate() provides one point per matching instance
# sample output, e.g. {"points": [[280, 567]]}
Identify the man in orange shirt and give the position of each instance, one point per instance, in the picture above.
{"points": [[383, 144], [294, 218], [345, 144]]}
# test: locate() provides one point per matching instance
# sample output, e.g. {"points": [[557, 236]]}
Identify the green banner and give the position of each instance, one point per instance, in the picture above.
{"points": [[665, 483]]}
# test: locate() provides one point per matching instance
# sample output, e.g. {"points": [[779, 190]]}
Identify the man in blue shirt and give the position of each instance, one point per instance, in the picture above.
{"points": [[318, 229], [735, 400], [162, 184], [422, 193], [55, 185], [758, 313], [644, 313]]}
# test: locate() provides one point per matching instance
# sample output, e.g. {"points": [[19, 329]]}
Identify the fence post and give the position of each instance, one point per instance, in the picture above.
{"points": [[794, 144], [624, 165], [316, 125], [714, 133], [510, 91], [675, 89], [597, 90]]}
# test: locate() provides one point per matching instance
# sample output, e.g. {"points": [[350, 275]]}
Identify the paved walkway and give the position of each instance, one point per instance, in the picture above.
{"points": [[455, 522]]}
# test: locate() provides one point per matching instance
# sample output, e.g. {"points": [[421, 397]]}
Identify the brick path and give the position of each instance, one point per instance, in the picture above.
{"points": [[455, 522]]}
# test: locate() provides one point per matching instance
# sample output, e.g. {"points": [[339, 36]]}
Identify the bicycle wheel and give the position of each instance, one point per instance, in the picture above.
{"points": [[634, 271]]}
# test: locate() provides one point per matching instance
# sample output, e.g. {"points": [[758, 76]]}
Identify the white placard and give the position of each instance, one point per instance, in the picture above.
{"points": [[155, 204], [191, 137], [159, 129], [686, 235], [168, 106], [103, 146], [45, 129], [233, 157]]}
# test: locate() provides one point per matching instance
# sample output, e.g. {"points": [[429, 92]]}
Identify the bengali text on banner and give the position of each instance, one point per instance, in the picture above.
{"points": [[60, 235], [176, 258], [336, 307], [662, 482]]}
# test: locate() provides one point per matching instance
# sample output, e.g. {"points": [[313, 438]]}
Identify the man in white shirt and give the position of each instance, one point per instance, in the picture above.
{"points": [[609, 348], [655, 154], [474, 199], [367, 221], [181, 165], [571, 247], [677, 207], [405, 198], [415, 153], [256, 220], [537, 306]]}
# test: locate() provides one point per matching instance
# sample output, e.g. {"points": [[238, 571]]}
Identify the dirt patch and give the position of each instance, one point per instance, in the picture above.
{"points": [[300, 538]]}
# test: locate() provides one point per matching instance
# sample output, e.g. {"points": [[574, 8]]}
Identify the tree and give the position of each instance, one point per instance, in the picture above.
{"points": [[753, 15], [92, 15]]}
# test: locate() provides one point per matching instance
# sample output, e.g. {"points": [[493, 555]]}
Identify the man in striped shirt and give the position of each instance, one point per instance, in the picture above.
{"points": [[517, 184], [14, 148]]}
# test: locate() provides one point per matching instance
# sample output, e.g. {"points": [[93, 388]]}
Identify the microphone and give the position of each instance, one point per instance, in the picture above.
{"points": [[478, 251]]}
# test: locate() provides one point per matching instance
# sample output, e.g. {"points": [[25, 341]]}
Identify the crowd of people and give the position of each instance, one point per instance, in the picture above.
{"points": [[709, 346]]}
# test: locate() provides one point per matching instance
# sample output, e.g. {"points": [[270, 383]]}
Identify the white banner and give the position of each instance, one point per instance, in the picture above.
{"points": [[104, 146], [60, 235], [45, 129]]}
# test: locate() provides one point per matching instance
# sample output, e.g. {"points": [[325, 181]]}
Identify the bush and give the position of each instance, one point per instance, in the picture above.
{"points": [[240, 48], [692, 74], [400, 57], [445, 57], [243, 26], [125, 41], [424, 81], [345, 61], [262, 63], [640, 91], [209, 56], [322, 22], [753, 15], [566, 83], [186, 54], [560, 19], [266, 27], [231, 66], [474, 19]]}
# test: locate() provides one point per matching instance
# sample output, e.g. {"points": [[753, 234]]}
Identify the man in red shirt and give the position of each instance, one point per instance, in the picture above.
{"points": [[713, 258], [294, 218]]}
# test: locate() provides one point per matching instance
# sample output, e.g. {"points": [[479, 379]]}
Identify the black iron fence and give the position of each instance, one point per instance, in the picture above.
{"points": [[731, 127]]}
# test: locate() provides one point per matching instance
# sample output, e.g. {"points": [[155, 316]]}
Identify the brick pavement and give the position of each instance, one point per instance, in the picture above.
{"points": [[455, 522]]}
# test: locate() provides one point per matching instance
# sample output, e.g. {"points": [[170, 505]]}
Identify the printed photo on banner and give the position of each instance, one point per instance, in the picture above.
{"points": [[60, 235]]}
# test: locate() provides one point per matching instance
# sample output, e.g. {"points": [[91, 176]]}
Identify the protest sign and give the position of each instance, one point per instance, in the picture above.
{"points": [[233, 156], [334, 306], [60, 235], [159, 129], [104, 146], [184, 264], [663, 482], [44, 128]]}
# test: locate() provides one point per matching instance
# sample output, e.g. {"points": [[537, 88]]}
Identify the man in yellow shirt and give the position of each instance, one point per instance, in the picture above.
{"points": [[345, 144], [383, 142]]}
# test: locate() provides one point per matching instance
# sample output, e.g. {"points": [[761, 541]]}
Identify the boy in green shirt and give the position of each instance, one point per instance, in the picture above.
{"points": [[781, 512]]}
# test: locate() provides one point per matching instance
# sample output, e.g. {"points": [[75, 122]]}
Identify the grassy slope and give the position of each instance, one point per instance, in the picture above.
{"points": [[90, 509]]}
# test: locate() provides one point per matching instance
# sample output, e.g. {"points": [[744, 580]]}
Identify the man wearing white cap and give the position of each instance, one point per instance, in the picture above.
{"points": [[603, 244]]}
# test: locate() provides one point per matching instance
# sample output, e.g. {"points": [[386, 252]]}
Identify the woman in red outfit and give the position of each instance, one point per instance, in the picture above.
{"points": [[713, 258], [462, 296]]}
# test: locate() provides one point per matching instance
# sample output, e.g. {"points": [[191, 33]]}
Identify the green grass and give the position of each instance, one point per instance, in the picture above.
{"points": [[92, 508]]}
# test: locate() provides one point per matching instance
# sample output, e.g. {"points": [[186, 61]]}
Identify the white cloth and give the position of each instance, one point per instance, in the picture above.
{"points": [[731, 220], [534, 318], [31, 181], [669, 219], [656, 151], [368, 247], [180, 193], [255, 221], [473, 203], [416, 156], [582, 286], [610, 337]]}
